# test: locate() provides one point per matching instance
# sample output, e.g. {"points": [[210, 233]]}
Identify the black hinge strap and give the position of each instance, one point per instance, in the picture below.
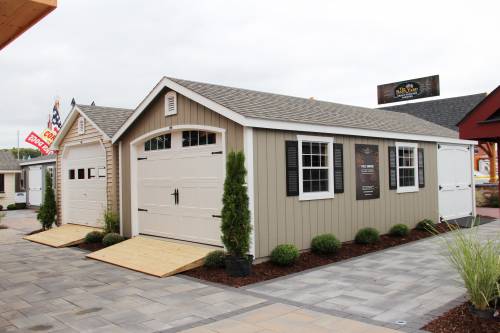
{"points": [[142, 210], [217, 216], [141, 158], [217, 152]]}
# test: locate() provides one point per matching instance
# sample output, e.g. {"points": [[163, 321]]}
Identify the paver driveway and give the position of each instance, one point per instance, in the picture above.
{"points": [[404, 283], [46, 289]]}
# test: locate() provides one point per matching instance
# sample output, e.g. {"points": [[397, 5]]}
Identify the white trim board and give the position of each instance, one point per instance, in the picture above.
{"points": [[249, 165], [272, 124], [38, 162]]}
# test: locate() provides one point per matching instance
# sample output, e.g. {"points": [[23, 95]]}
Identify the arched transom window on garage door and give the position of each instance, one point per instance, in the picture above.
{"points": [[159, 142], [197, 138]]}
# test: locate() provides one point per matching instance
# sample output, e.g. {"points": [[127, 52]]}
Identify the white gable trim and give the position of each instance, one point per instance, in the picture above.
{"points": [[272, 124], [73, 115]]}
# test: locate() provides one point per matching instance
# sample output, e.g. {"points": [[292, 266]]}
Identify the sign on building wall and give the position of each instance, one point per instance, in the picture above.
{"points": [[409, 89], [367, 172]]}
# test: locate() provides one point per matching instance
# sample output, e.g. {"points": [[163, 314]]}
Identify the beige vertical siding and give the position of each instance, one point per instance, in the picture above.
{"points": [[188, 113], [9, 195], [280, 219], [91, 134]]}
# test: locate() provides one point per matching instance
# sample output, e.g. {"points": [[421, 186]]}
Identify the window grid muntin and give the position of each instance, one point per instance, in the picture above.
{"points": [[198, 138], [315, 177], [160, 142], [407, 166]]}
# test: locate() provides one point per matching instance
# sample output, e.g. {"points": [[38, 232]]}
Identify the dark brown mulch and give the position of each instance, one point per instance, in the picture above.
{"points": [[91, 247], [460, 320], [266, 270]]}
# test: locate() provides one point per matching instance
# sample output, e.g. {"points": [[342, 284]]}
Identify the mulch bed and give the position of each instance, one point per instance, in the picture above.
{"points": [[91, 247], [460, 320], [266, 270]]}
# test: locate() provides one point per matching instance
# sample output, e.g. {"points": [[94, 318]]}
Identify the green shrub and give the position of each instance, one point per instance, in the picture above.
{"points": [[425, 225], [111, 222], [94, 237], [47, 213], [215, 259], [399, 230], [367, 236], [112, 239], [1, 207], [493, 201], [11, 207], [235, 224], [21, 205], [477, 263], [285, 255], [325, 244]]}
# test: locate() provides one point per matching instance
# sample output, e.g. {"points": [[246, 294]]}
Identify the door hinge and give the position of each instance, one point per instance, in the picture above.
{"points": [[440, 187], [142, 210], [141, 158], [217, 216], [217, 152]]}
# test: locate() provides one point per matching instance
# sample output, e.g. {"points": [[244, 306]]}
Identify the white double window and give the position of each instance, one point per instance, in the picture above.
{"points": [[407, 167], [315, 167]]}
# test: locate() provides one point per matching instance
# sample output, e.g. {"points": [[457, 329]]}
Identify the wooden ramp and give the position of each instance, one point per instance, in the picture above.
{"points": [[65, 235], [153, 256]]}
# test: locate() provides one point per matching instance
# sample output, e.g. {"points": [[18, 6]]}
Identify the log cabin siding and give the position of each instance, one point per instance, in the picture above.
{"points": [[280, 219], [91, 134], [153, 117]]}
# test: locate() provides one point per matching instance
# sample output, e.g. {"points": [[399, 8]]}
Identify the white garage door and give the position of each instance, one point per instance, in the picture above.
{"points": [[455, 182], [84, 184], [35, 185], [180, 181]]}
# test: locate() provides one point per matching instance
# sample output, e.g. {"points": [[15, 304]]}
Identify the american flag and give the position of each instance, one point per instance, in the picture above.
{"points": [[56, 119]]}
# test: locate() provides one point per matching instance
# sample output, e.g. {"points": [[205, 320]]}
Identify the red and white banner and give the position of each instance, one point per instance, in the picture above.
{"points": [[38, 142]]}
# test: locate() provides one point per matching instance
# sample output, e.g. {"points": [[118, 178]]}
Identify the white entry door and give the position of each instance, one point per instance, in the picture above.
{"points": [[180, 190], [84, 184], [35, 185], [455, 181]]}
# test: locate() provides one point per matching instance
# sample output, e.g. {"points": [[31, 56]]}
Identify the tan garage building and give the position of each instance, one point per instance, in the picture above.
{"points": [[313, 166], [87, 164]]}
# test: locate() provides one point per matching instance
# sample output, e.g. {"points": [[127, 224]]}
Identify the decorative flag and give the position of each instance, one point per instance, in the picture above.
{"points": [[36, 141], [56, 119], [48, 136]]}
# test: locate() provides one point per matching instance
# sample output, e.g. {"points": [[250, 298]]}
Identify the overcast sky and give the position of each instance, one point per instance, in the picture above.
{"points": [[114, 52]]}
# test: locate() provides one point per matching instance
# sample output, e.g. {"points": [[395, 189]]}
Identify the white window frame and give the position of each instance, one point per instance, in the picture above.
{"points": [[414, 146], [170, 94], [81, 125], [316, 195]]}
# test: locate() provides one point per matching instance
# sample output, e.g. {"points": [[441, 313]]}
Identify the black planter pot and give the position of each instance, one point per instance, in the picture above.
{"points": [[239, 266], [484, 314]]}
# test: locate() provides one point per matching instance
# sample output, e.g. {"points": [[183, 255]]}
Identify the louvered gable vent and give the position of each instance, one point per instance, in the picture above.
{"points": [[170, 103]]}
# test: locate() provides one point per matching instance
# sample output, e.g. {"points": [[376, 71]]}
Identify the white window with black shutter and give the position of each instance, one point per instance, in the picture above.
{"points": [[407, 168], [315, 157]]}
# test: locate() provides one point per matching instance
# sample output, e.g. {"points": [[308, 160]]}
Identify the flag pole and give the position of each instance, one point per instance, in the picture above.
{"points": [[18, 145]]}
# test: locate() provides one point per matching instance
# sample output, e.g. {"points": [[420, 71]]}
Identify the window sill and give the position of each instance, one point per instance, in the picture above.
{"points": [[315, 196], [407, 189]]}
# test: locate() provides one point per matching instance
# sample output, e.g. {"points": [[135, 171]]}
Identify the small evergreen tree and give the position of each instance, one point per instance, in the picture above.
{"points": [[47, 213], [235, 214]]}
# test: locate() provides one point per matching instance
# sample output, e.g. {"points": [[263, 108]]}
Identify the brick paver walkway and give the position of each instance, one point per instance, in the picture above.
{"points": [[405, 283]]}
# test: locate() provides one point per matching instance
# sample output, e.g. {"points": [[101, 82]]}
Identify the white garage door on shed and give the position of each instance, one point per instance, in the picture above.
{"points": [[180, 178], [84, 184], [455, 181]]}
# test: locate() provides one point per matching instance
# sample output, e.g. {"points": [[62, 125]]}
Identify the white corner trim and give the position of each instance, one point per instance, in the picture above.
{"points": [[10, 171], [316, 195], [120, 185], [473, 184], [249, 165], [407, 189]]}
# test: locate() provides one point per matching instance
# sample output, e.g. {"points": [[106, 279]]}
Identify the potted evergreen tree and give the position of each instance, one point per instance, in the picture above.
{"points": [[236, 217], [47, 213]]}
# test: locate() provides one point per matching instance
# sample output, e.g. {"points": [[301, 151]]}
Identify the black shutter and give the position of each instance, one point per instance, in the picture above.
{"points": [[2, 183], [421, 173], [338, 168], [393, 181], [292, 168]]}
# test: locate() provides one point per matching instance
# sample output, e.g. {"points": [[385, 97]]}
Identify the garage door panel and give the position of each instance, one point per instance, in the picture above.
{"points": [[83, 200]]}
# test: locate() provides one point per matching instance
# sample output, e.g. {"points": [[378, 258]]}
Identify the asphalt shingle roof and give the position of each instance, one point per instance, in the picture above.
{"points": [[262, 105], [446, 112], [41, 159], [8, 161], [109, 120]]}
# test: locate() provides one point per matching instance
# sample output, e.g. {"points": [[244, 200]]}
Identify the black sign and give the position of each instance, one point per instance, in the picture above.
{"points": [[406, 90], [367, 176]]}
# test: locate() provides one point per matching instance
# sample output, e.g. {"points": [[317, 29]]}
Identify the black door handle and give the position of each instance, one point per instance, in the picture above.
{"points": [[176, 196]]}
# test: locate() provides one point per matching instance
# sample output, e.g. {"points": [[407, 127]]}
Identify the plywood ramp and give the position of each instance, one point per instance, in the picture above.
{"points": [[153, 256], [65, 235]]}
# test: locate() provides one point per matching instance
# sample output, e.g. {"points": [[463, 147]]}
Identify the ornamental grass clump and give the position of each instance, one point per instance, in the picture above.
{"points": [[478, 264], [425, 225], [111, 222]]}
